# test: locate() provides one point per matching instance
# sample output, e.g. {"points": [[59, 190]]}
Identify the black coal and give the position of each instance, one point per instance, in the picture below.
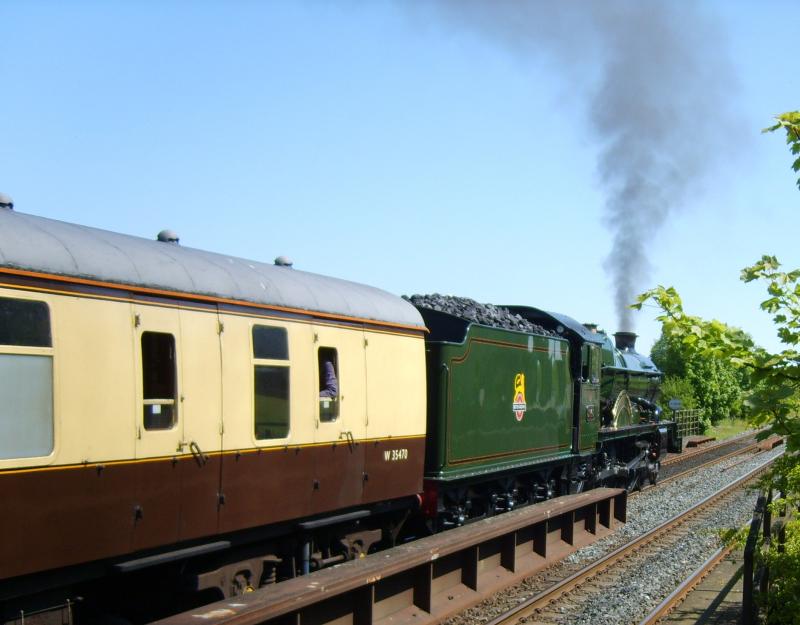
{"points": [[470, 310]]}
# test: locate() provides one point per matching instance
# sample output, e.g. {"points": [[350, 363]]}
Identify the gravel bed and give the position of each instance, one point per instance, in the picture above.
{"points": [[470, 310], [647, 583]]}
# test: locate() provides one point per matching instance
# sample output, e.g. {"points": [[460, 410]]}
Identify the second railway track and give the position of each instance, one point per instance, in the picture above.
{"points": [[619, 586]]}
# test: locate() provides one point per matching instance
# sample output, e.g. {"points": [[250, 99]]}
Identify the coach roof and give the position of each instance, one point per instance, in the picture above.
{"points": [[48, 246]]}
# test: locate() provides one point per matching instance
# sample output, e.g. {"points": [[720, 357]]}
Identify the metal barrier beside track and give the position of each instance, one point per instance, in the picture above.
{"points": [[432, 578], [689, 421]]}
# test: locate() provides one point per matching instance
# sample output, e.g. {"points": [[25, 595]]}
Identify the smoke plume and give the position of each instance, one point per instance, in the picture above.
{"points": [[656, 82]]}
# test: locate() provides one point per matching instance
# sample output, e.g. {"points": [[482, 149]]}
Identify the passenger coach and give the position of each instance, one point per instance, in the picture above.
{"points": [[160, 401]]}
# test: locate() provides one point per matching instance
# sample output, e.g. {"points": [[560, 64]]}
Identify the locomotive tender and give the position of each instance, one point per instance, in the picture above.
{"points": [[161, 415]]}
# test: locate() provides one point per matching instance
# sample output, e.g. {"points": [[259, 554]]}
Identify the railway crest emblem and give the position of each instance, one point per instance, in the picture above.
{"points": [[519, 406]]}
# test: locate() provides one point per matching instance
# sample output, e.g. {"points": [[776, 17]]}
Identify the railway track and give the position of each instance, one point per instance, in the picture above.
{"points": [[678, 467], [426, 582], [561, 602], [687, 586], [715, 448]]}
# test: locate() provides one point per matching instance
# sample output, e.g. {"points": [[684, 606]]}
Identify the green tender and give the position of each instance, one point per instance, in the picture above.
{"points": [[473, 389]]}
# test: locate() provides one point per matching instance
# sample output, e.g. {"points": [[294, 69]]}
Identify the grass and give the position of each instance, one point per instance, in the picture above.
{"points": [[728, 428]]}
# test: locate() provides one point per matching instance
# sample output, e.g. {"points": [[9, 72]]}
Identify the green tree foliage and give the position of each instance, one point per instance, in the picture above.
{"points": [[782, 603], [669, 356], [716, 383], [773, 381], [675, 387], [791, 123]]}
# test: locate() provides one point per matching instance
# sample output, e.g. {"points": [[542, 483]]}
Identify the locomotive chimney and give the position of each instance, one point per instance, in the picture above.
{"points": [[626, 341]]}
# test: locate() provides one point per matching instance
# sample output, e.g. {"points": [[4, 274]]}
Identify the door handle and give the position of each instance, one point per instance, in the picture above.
{"points": [[347, 434], [198, 455]]}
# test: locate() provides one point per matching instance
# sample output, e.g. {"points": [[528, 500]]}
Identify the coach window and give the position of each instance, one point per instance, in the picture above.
{"points": [[26, 379], [328, 367], [270, 382], [159, 374]]}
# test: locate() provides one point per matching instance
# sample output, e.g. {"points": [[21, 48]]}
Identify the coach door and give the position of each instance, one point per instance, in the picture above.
{"points": [[201, 442], [339, 388], [159, 425], [179, 424]]}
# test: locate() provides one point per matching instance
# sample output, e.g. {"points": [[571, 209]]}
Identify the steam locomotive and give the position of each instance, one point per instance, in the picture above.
{"points": [[162, 430]]}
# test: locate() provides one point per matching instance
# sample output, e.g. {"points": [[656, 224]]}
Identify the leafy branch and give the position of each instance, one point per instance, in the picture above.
{"points": [[791, 122], [774, 378]]}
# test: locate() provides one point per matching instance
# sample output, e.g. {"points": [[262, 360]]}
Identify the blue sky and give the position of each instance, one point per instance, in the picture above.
{"points": [[386, 143]]}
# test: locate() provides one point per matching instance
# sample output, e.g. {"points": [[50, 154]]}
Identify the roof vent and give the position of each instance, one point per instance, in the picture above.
{"points": [[283, 261], [6, 202], [592, 327], [168, 236]]}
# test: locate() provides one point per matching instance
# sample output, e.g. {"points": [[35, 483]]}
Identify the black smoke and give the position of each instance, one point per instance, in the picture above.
{"points": [[656, 85]]}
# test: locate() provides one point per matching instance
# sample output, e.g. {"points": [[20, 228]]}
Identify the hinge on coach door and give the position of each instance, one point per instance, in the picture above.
{"points": [[221, 328], [137, 320]]}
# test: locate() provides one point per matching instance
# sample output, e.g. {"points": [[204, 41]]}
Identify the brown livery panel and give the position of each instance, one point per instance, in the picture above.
{"points": [[265, 486], [389, 470], [81, 514]]}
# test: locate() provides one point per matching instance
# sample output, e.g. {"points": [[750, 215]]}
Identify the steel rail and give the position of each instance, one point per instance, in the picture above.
{"points": [[765, 445], [543, 599], [687, 586], [711, 461], [703, 449]]}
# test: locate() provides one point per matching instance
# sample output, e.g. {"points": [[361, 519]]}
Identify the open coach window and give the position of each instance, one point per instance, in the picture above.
{"points": [[328, 365], [159, 380], [270, 382], [26, 379]]}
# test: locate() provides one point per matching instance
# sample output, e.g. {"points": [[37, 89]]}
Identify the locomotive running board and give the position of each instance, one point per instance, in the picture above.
{"points": [[428, 580]]}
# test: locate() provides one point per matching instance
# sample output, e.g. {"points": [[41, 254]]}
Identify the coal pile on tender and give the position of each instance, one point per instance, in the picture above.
{"points": [[470, 310]]}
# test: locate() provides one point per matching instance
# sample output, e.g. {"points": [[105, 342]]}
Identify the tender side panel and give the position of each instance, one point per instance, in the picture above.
{"points": [[508, 399]]}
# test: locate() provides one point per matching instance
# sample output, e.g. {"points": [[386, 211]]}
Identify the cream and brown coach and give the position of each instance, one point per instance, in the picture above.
{"points": [[159, 402]]}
